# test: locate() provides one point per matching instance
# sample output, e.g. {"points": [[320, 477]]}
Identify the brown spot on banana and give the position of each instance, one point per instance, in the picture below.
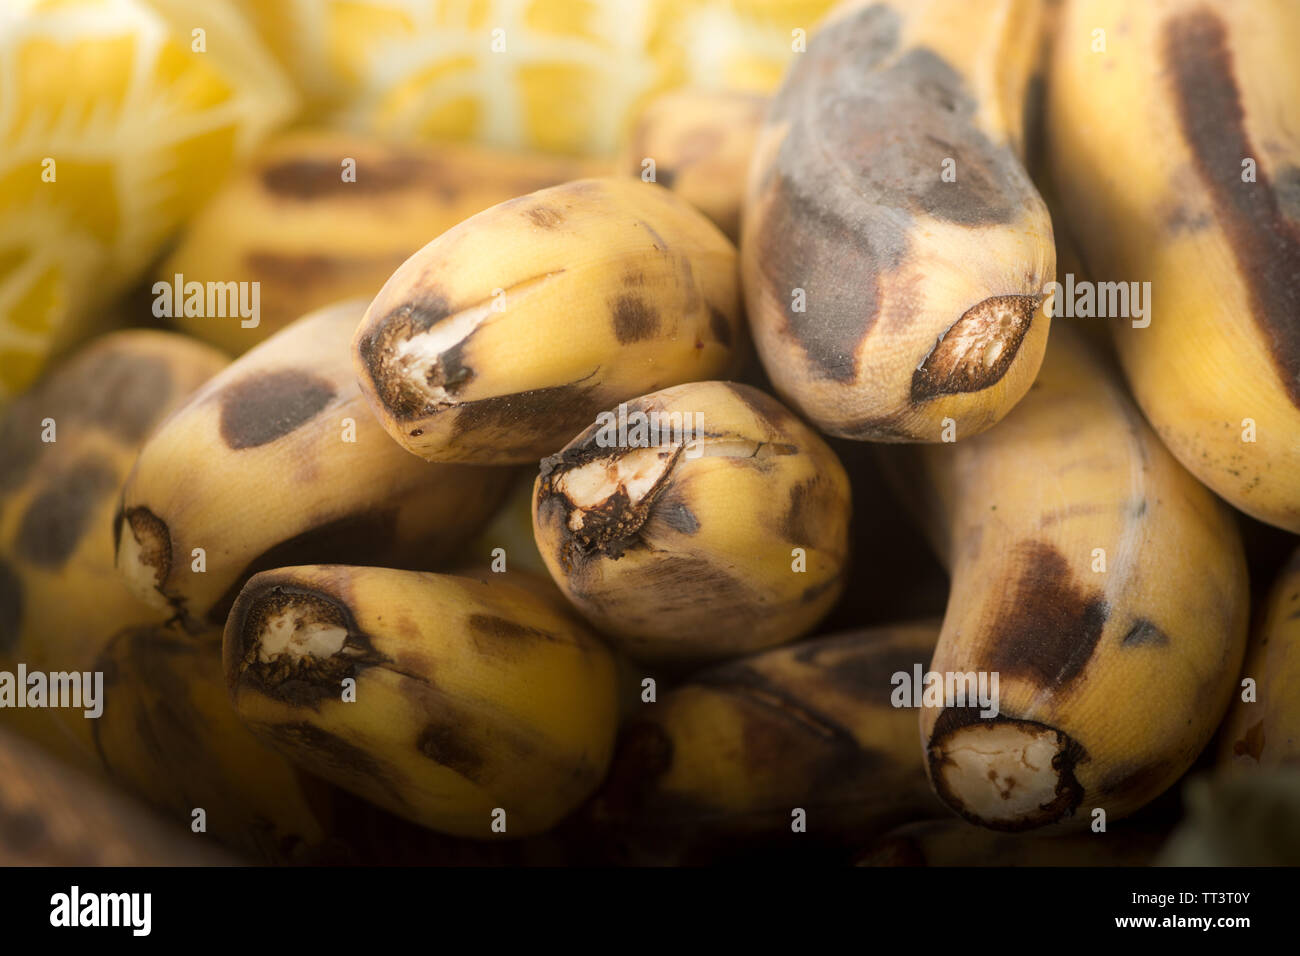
{"points": [[636, 292], [270, 405], [545, 216], [128, 392], [634, 320], [1049, 626], [56, 520], [1263, 228], [886, 295], [620, 524]]}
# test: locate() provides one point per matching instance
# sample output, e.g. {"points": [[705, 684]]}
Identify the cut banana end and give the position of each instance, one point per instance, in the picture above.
{"points": [[1003, 773], [144, 555]]}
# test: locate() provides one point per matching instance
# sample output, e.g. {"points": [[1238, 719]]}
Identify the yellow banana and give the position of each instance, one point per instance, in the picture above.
{"points": [[722, 763], [321, 216], [721, 531], [278, 460], [1103, 585], [895, 253], [57, 816], [476, 708], [505, 335], [700, 143], [1264, 731], [1208, 222], [956, 843], [67, 445]]}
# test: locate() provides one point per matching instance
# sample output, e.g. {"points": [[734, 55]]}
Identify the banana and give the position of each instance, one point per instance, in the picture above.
{"points": [[702, 521], [1103, 585], [722, 762], [60, 598], [956, 843], [477, 705], [1210, 220], [505, 335], [278, 460], [895, 253], [1264, 732], [320, 216], [58, 816], [700, 142]]}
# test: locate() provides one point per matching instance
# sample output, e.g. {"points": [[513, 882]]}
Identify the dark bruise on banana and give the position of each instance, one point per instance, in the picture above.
{"points": [[293, 468], [921, 297], [727, 535], [1112, 608], [501, 338], [468, 696], [721, 761]]}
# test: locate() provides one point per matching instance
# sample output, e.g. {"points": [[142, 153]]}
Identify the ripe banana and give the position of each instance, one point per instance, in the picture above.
{"points": [[1105, 587], [700, 143], [894, 251], [722, 531], [278, 460], [956, 843], [57, 816], [723, 761], [60, 598], [475, 704], [505, 335], [1265, 731], [1210, 219], [321, 216]]}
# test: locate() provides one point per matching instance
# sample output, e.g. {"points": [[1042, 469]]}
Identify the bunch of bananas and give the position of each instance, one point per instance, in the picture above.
{"points": [[484, 505]]}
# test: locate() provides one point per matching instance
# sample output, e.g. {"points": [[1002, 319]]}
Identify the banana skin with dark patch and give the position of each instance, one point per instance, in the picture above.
{"points": [[1210, 220], [894, 250], [1100, 581]]}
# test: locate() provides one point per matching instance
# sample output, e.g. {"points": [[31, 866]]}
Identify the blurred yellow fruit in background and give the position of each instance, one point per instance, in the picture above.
{"points": [[559, 75], [117, 119]]}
